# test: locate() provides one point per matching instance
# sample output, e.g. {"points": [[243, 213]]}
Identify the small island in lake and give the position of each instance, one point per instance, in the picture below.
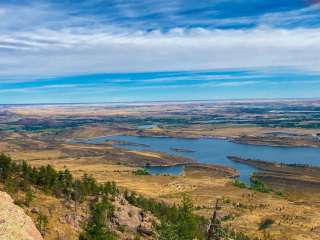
{"points": [[182, 150]]}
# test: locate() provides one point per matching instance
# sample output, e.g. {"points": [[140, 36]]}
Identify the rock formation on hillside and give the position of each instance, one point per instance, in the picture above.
{"points": [[14, 223], [133, 219]]}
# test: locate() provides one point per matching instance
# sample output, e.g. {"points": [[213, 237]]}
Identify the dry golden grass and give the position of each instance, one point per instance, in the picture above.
{"points": [[37, 155], [298, 214], [222, 131], [70, 111], [55, 210], [294, 221], [146, 154]]}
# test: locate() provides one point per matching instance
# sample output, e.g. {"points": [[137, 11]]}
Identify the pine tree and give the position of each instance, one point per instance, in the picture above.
{"points": [[96, 228], [10, 186], [187, 223], [167, 231], [42, 223], [5, 167], [29, 197]]}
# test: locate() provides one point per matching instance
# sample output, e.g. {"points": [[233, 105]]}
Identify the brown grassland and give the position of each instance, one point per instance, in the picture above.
{"points": [[296, 213]]}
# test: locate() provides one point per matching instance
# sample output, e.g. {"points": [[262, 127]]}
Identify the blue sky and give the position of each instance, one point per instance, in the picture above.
{"points": [[147, 50]]}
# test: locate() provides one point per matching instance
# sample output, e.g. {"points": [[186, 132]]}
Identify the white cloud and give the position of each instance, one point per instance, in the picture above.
{"points": [[47, 52], [34, 43]]}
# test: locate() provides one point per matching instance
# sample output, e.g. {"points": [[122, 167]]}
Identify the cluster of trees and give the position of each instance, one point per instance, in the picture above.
{"points": [[258, 185], [141, 172], [176, 222], [255, 184], [179, 222], [239, 184], [97, 228], [21, 176]]}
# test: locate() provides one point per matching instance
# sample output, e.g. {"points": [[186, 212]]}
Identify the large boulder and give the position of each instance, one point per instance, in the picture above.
{"points": [[126, 214], [14, 223], [132, 218]]}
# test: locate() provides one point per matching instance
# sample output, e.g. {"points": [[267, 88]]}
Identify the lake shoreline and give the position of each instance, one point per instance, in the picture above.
{"points": [[213, 169], [279, 174], [259, 140], [157, 151], [235, 139]]}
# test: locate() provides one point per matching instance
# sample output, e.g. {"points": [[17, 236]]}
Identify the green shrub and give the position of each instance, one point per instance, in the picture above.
{"points": [[42, 223], [141, 172], [265, 223], [19, 202], [96, 228], [28, 197], [228, 217], [258, 185], [239, 184], [280, 194]]}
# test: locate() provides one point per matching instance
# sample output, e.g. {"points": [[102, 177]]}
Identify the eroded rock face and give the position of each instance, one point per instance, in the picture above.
{"points": [[126, 215], [14, 223], [133, 218]]}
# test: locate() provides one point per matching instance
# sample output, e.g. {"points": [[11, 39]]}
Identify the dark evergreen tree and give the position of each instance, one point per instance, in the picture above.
{"points": [[5, 167], [29, 197], [97, 228]]}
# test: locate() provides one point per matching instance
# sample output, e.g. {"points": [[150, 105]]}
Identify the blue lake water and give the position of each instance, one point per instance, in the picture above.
{"points": [[169, 170], [215, 151]]}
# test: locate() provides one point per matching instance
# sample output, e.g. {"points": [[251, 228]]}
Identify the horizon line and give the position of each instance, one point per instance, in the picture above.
{"points": [[162, 101]]}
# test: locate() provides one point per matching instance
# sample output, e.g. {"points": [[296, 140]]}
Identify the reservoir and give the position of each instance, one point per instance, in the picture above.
{"points": [[214, 151]]}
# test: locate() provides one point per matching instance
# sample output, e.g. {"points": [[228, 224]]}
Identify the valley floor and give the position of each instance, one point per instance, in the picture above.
{"points": [[296, 213]]}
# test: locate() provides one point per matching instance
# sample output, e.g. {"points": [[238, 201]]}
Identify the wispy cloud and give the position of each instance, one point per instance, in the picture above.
{"points": [[44, 42], [48, 52], [43, 38]]}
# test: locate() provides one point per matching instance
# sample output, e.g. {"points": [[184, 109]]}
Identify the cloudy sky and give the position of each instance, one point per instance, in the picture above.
{"points": [[143, 50]]}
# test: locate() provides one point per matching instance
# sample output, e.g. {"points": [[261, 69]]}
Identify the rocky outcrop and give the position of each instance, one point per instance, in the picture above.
{"points": [[14, 223], [132, 218]]}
